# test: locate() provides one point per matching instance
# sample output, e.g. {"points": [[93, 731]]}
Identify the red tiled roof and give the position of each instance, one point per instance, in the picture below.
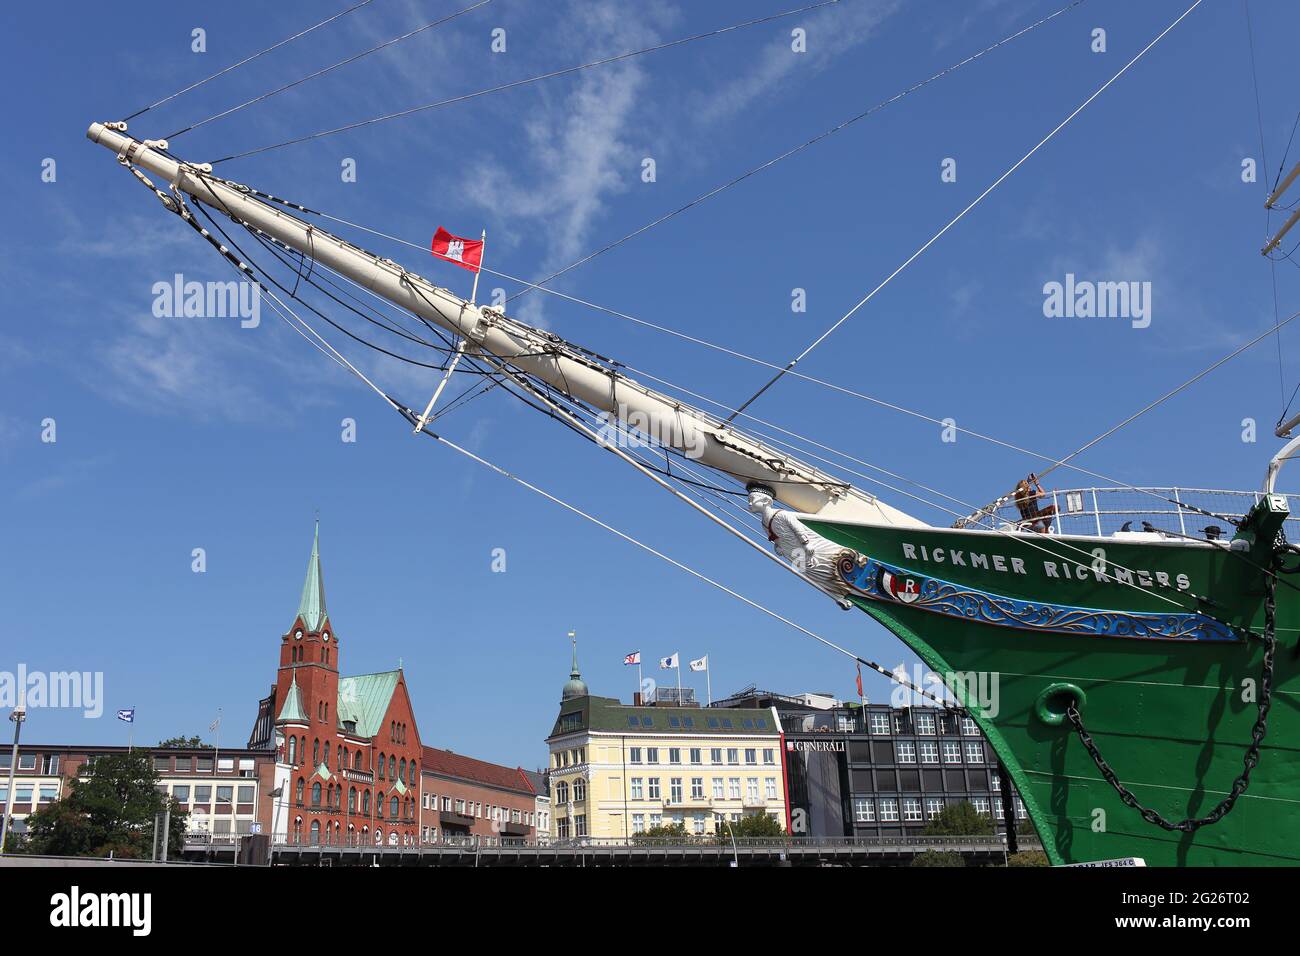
{"points": [[449, 764]]}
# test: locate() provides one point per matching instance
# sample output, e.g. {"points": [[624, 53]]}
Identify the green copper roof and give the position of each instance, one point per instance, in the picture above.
{"points": [[323, 772], [365, 699], [609, 715], [311, 608], [292, 709]]}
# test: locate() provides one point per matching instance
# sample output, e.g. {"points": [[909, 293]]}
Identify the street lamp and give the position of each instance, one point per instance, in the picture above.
{"points": [[17, 717]]}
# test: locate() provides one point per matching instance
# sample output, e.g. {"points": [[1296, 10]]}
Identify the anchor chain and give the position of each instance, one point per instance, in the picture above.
{"points": [[1251, 758]]}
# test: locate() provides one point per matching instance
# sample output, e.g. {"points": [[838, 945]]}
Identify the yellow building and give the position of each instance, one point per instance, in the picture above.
{"points": [[619, 770]]}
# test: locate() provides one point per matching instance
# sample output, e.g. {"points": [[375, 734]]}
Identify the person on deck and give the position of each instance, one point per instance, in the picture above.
{"points": [[1033, 517]]}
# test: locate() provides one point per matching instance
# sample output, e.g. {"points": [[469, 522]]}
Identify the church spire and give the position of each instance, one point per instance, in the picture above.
{"points": [[311, 608]]}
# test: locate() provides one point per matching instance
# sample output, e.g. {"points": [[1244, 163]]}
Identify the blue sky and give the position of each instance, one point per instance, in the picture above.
{"points": [[175, 434]]}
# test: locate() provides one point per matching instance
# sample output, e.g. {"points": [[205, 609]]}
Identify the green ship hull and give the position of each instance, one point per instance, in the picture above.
{"points": [[1172, 716]]}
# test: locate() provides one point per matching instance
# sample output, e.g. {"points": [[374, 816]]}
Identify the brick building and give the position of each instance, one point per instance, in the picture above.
{"points": [[470, 800], [347, 748]]}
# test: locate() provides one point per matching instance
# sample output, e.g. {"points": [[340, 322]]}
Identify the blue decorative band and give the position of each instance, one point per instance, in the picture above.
{"points": [[881, 582]]}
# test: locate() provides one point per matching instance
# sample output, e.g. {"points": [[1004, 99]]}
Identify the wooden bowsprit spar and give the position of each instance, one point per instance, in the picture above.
{"points": [[546, 357]]}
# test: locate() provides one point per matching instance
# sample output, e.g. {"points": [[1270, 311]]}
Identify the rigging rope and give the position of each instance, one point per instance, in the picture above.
{"points": [[524, 82], [247, 59], [285, 312], [797, 149], [352, 59], [832, 386], [952, 222]]}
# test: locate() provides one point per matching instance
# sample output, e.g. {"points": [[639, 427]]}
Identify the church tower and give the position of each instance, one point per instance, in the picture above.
{"points": [[307, 684]]}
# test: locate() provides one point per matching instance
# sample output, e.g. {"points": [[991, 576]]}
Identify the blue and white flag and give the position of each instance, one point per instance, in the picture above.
{"points": [[127, 715], [667, 663]]}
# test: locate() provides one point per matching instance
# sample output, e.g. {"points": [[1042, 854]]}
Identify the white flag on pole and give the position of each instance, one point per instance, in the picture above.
{"points": [[701, 665], [668, 663]]}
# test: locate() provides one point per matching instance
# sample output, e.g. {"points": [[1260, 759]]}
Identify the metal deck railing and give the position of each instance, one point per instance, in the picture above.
{"points": [[1103, 512]]}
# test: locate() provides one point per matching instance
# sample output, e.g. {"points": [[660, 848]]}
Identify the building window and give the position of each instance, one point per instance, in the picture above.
{"points": [[995, 780], [912, 809], [634, 755], [698, 824], [579, 790], [695, 755], [929, 751], [981, 805], [924, 724], [203, 793], [246, 794], [951, 751], [392, 808], [49, 794], [715, 755], [638, 823], [674, 754], [652, 755], [733, 755], [770, 786], [562, 828], [751, 789], [717, 788], [933, 807], [879, 724], [968, 727], [654, 788], [638, 789], [769, 756], [906, 751], [225, 794], [864, 810], [888, 810], [315, 794], [974, 751], [675, 790], [751, 756], [733, 788], [182, 793]]}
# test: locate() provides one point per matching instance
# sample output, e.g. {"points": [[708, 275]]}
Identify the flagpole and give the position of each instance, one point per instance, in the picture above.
{"points": [[473, 296], [708, 677], [640, 681], [679, 678]]}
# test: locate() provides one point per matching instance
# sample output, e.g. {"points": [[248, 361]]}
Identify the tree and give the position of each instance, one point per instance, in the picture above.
{"points": [[109, 809], [754, 826], [1028, 858], [665, 833], [184, 743], [938, 858], [960, 819]]}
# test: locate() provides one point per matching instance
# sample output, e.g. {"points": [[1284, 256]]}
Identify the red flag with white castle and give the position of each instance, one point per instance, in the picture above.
{"points": [[466, 253]]}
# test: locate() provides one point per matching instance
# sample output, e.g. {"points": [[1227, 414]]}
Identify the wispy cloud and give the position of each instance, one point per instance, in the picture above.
{"points": [[830, 33]]}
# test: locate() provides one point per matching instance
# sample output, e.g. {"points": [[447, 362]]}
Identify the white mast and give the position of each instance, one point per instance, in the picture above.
{"points": [[704, 438]]}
